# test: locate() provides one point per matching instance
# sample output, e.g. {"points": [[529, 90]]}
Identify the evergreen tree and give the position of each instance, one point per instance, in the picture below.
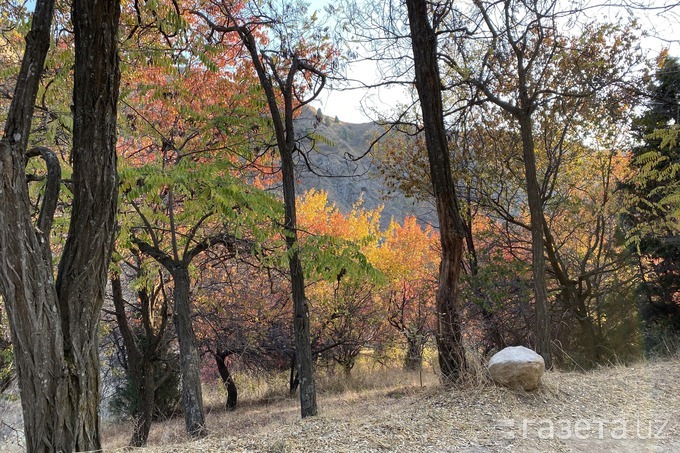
{"points": [[652, 211]]}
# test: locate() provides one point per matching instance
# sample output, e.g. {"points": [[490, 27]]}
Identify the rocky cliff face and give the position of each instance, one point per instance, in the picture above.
{"points": [[334, 165]]}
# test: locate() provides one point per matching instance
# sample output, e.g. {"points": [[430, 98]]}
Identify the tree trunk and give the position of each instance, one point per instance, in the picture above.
{"points": [[147, 400], [54, 326], [26, 275], [82, 275], [140, 369], [414, 353], [228, 381], [190, 365], [452, 233], [303, 345], [542, 326], [284, 130], [192, 396], [294, 380]]}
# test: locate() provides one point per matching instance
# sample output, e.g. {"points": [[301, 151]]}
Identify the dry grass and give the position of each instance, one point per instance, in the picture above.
{"points": [[611, 409], [628, 409]]}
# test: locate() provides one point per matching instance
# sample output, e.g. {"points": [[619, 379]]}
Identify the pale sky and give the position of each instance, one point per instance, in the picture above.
{"points": [[349, 105], [663, 25], [352, 105]]}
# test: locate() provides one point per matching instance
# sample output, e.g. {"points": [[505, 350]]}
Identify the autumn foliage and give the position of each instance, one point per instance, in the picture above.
{"points": [[564, 159]]}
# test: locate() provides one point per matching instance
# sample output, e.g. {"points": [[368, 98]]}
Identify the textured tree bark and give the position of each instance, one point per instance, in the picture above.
{"points": [[26, 269], [542, 326], [451, 229], [190, 365], [82, 275], [54, 325]]}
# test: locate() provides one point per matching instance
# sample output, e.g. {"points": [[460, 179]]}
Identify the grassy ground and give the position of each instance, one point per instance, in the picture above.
{"points": [[624, 409]]}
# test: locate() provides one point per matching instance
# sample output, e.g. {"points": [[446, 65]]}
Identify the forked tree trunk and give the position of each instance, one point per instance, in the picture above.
{"points": [[192, 395], [54, 325], [451, 230], [26, 269]]}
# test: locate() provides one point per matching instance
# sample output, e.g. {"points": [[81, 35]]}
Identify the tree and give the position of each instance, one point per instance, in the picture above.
{"points": [[487, 158], [55, 322], [517, 60], [348, 315], [451, 231], [408, 257], [188, 153], [143, 348], [587, 266], [388, 42], [242, 308], [201, 208], [349, 318], [516, 44], [652, 205], [291, 74], [354, 305]]}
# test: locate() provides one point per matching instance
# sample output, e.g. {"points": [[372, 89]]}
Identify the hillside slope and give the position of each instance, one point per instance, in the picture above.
{"points": [[334, 170], [623, 409]]}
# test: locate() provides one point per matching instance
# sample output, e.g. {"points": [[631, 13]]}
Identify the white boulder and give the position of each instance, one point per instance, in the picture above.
{"points": [[517, 367]]}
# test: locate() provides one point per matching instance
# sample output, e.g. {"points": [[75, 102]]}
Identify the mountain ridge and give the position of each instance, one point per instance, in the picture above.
{"points": [[339, 163]]}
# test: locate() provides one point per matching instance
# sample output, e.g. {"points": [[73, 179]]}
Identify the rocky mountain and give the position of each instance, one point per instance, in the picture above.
{"points": [[335, 165]]}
